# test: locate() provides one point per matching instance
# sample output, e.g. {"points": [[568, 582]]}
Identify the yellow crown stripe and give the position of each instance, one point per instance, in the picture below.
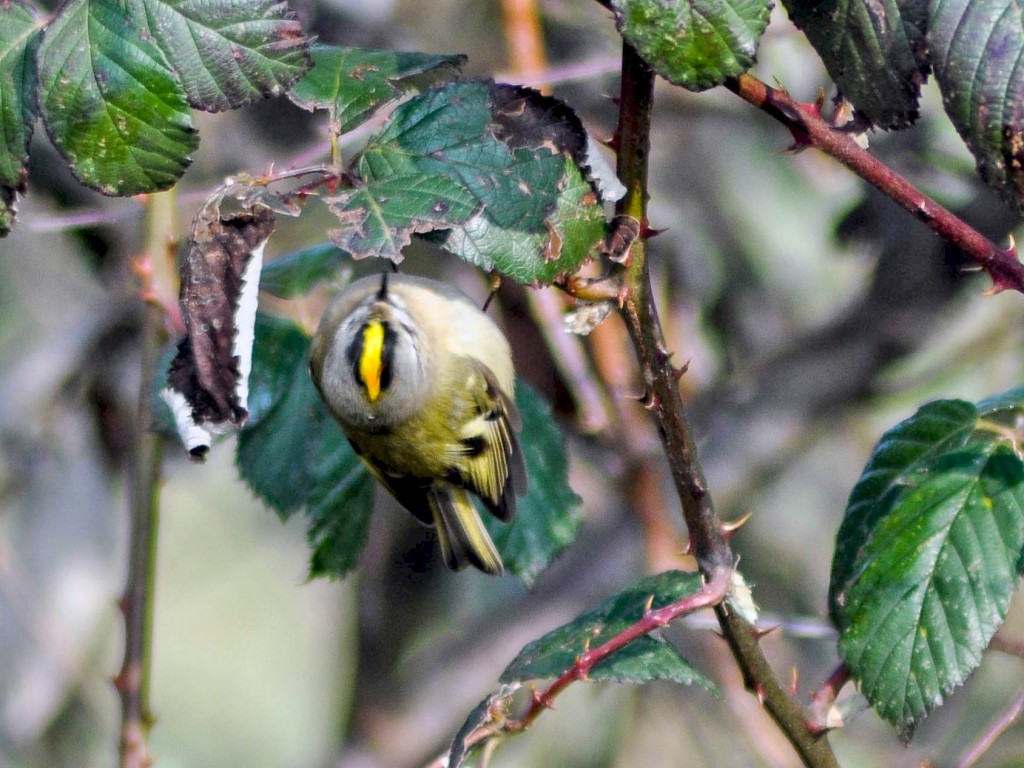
{"points": [[371, 361]]}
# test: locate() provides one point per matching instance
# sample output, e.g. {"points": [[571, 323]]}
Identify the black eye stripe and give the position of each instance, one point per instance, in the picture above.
{"points": [[387, 356], [355, 352]]}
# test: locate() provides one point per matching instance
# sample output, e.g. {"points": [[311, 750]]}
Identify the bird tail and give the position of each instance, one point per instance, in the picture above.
{"points": [[461, 533]]}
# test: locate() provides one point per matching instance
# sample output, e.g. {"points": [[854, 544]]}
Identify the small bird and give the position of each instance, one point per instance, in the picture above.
{"points": [[421, 381]]}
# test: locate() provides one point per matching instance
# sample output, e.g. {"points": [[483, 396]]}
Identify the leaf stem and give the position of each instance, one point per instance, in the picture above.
{"points": [[707, 534], [810, 129], [133, 680]]}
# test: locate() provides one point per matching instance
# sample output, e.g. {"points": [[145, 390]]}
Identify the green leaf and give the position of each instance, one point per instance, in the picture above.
{"points": [[976, 47], [694, 43], [20, 33], [934, 581], [572, 232], [296, 273], [494, 172], [928, 553], [380, 218], [548, 517], [111, 102], [875, 52], [641, 661], [228, 53], [340, 502], [353, 83], [944, 426], [283, 348]]}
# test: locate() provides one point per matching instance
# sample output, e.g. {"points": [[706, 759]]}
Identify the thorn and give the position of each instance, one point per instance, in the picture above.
{"points": [[688, 549], [648, 603], [761, 693], [759, 633], [648, 232], [729, 529], [653, 403], [678, 373], [793, 675]]}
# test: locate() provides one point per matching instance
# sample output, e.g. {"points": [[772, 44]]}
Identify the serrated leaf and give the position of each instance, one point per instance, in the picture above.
{"points": [[569, 238], [641, 661], [379, 219], [934, 581], [452, 132], [694, 43], [548, 517], [228, 53], [353, 83], [296, 273], [875, 52], [937, 428], [20, 33], [976, 47], [111, 102], [520, 157]]}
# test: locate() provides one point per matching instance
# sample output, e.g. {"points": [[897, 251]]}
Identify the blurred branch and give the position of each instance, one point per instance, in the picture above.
{"points": [[810, 129], [707, 535], [524, 42], [133, 681], [976, 751], [1013, 646]]}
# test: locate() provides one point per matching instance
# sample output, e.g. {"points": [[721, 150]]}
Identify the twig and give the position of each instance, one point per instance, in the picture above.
{"points": [[133, 681], [662, 398], [711, 594], [810, 129], [1001, 724]]}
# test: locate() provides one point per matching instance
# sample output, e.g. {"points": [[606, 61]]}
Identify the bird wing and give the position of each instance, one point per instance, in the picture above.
{"points": [[487, 458]]}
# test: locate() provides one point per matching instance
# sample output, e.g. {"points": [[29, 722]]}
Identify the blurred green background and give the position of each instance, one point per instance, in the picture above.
{"points": [[814, 314]]}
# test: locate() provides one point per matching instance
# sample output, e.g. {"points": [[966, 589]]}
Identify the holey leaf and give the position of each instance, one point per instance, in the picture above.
{"points": [[694, 43], [496, 173], [929, 553], [111, 102], [643, 660], [875, 52], [353, 83], [977, 50]]}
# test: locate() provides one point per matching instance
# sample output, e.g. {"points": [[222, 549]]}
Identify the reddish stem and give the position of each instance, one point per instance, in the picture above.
{"points": [[810, 129]]}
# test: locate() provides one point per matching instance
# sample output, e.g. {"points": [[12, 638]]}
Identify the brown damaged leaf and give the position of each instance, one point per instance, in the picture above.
{"points": [[207, 368]]}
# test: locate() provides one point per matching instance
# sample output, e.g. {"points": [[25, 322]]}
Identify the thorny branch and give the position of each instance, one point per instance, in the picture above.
{"points": [[132, 682], [708, 536], [711, 594], [810, 129]]}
